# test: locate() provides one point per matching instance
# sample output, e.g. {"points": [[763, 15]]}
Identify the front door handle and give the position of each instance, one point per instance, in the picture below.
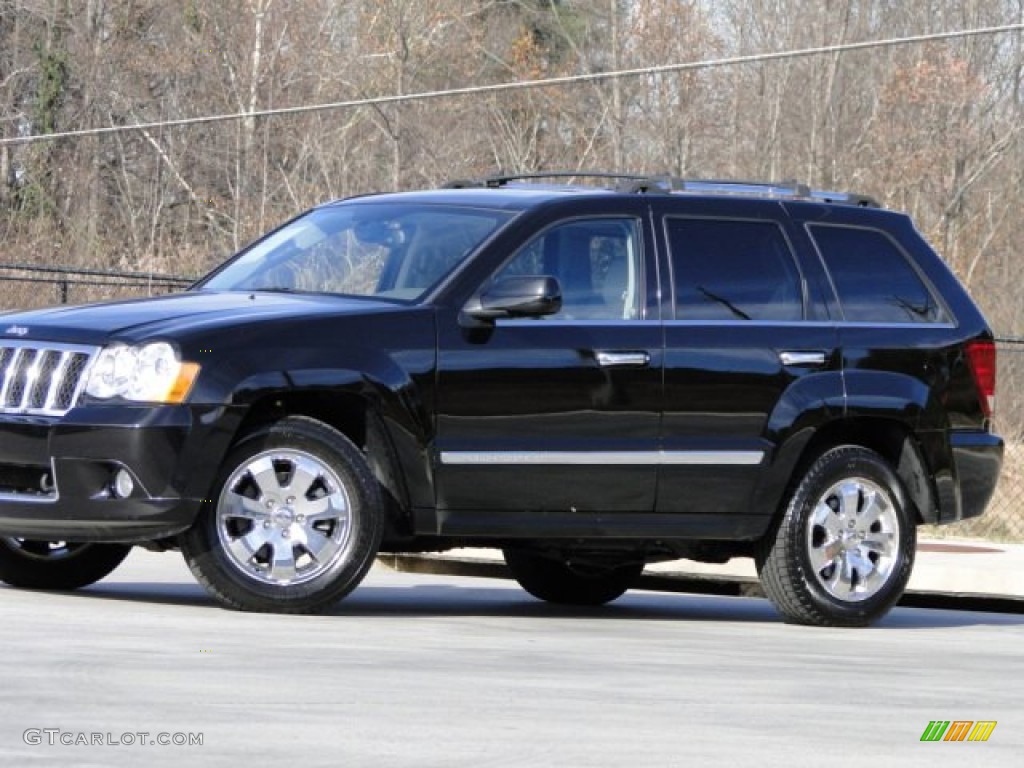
{"points": [[620, 359], [812, 359]]}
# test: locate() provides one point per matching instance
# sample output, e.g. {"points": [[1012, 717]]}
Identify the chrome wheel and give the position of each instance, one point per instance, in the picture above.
{"points": [[294, 523], [842, 552], [284, 517], [853, 539]]}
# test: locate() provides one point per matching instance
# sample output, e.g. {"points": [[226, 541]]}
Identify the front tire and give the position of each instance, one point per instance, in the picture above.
{"points": [[62, 565], [565, 582], [843, 551], [294, 523]]}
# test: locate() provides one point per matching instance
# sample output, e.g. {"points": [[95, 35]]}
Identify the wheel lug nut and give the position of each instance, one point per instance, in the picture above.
{"points": [[270, 503], [300, 519], [266, 523], [284, 534], [290, 500]]}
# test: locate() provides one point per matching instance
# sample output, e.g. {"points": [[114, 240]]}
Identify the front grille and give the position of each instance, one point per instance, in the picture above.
{"points": [[41, 379]]}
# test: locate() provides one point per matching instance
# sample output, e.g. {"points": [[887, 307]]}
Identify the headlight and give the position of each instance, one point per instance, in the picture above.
{"points": [[150, 373]]}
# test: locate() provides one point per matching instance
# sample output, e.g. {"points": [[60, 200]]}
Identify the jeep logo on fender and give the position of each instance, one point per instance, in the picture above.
{"points": [[16, 330]]}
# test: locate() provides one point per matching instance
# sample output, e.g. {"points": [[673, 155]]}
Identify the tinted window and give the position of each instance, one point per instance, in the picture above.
{"points": [[733, 270], [873, 278], [596, 262]]}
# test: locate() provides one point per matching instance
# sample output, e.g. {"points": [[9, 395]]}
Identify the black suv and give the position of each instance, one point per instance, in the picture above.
{"points": [[588, 378]]}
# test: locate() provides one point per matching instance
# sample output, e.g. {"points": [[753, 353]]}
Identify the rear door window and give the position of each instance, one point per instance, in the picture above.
{"points": [[727, 269]]}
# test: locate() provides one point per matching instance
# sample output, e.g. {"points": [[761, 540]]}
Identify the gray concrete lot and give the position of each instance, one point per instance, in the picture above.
{"points": [[433, 670]]}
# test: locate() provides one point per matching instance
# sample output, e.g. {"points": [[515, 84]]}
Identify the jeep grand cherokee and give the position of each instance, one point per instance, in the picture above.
{"points": [[590, 378]]}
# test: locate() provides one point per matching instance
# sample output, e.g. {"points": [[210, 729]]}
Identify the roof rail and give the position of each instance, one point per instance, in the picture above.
{"points": [[782, 189], [771, 189], [500, 180], [848, 198], [638, 183], [743, 187]]}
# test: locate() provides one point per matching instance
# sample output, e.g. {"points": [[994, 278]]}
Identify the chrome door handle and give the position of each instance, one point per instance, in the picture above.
{"points": [[617, 359], [802, 358]]}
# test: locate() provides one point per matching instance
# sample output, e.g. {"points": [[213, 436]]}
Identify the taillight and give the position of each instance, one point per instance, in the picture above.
{"points": [[981, 355]]}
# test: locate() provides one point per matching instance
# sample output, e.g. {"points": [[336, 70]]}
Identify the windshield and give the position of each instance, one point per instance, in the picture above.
{"points": [[395, 251]]}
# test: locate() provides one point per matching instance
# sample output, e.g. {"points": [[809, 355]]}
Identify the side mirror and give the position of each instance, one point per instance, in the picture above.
{"points": [[518, 296]]}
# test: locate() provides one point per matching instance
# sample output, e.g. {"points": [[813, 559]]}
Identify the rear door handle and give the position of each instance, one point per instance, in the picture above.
{"points": [[811, 359], [621, 359]]}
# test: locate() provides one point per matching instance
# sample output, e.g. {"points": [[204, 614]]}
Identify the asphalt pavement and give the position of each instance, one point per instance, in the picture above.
{"points": [[438, 670]]}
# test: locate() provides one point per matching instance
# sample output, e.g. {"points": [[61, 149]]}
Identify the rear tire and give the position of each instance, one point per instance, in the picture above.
{"points": [[843, 551], [294, 524], [560, 580], [32, 564]]}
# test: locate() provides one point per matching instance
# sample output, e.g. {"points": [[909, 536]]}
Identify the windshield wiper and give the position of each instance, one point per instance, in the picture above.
{"points": [[725, 303], [278, 289]]}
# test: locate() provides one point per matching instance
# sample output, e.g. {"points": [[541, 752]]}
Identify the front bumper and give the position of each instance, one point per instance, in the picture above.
{"points": [[56, 475]]}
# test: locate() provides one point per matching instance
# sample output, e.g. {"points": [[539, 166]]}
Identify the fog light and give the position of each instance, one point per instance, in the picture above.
{"points": [[123, 484]]}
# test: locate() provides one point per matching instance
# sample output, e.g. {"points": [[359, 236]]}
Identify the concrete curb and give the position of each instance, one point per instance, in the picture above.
{"points": [[678, 580]]}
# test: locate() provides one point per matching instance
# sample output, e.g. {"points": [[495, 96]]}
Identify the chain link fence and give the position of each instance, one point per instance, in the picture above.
{"points": [[23, 287]]}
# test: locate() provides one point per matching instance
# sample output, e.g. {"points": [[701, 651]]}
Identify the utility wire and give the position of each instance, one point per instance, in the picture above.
{"points": [[527, 84]]}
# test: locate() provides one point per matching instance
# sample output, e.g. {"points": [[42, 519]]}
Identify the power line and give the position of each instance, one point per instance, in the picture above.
{"points": [[527, 84]]}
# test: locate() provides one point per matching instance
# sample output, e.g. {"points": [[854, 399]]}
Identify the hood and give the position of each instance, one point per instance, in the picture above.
{"points": [[167, 316]]}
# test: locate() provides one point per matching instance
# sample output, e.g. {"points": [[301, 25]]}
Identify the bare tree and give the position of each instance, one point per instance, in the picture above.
{"points": [[933, 129]]}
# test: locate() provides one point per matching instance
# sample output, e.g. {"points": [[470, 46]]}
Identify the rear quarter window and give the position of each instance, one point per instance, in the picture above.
{"points": [[873, 278]]}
